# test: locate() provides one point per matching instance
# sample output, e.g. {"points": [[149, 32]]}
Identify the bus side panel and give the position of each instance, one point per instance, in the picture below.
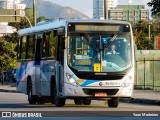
{"points": [[21, 76], [47, 70], [23, 70]]}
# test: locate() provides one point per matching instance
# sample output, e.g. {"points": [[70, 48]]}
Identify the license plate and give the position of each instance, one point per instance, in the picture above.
{"points": [[100, 94]]}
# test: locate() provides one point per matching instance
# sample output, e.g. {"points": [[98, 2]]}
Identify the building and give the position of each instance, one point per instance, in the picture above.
{"points": [[112, 4], [131, 13], [9, 4], [6, 30], [99, 8], [3, 4]]}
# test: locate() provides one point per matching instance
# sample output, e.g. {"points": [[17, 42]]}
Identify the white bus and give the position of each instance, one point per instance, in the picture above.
{"points": [[76, 59]]}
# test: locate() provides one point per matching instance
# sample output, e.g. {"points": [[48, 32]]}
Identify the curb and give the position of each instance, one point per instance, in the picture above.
{"points": [[11, 91], [140, 100], [7, 90]]}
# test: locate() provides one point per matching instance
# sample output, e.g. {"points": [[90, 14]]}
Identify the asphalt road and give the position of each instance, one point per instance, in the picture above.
{"points": [[18, 102]]}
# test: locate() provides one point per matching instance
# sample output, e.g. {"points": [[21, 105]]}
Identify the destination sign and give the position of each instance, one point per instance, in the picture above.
{"points": [[99, 27]]}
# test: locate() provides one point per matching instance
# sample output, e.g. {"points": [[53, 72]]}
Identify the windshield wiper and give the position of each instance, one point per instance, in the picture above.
{"points": [[110, 41], [90, 41]]}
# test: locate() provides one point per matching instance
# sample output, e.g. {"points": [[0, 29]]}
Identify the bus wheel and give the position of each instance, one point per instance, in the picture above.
{"points": [[78, 101], [40, 100], [31, 98], [59, 102], [113, 102], [52, 90], [87, 102]]}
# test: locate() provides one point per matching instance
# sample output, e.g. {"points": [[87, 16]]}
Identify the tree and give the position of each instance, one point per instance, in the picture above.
{"points": [[141, 35], [42, 18], [7, 56], [155, 4]]}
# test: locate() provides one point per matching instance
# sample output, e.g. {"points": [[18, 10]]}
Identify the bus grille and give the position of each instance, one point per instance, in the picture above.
{"points": [[93, 91]]}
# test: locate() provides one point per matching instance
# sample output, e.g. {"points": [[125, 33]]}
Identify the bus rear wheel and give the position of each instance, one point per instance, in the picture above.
{"points": [[87, 102], [59, 102], [40, 100], [52, 90], [31, 98], [78, 101], [113, 102]]}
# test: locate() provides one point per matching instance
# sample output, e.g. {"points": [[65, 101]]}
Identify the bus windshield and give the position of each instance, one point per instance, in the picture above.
{"points": [[99, 52]]}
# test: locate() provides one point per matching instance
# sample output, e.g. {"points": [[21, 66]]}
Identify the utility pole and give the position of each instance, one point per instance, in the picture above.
{"points": [[106, 9], [34, 12], [129, 2], [149, 32]]}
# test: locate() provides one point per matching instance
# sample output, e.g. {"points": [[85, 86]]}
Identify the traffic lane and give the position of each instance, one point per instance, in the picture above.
{"points": [[18, 102], [73, 107]]}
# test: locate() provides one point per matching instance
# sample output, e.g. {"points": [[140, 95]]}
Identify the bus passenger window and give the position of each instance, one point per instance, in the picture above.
{"points": [[23, 47], [30, 47], [45, 46], [52, 44]]}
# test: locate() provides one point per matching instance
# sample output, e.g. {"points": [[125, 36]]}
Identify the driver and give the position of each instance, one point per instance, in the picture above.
{"points": [[113, 50]]}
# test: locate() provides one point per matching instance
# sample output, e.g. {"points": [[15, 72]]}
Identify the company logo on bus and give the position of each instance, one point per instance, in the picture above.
{"points": [[100, 73], [113, 84]]}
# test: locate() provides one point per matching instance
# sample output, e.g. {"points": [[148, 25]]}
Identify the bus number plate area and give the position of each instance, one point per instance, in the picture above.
{"points": [[100, 94]]}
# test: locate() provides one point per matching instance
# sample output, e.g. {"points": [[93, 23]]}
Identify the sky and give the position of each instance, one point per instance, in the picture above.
{"points": [[86, 6]]}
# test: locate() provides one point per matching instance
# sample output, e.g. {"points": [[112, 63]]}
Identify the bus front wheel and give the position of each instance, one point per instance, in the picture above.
{"points": [[113, 102], [87, 102], [78, 101], [59, 102]]}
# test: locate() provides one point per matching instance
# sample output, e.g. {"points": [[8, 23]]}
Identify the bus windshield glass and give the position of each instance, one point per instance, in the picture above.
{"points": [[99, 52]]}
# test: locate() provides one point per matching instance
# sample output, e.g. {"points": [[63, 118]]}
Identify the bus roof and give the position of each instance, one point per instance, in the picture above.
{"points": [[63, 23]]}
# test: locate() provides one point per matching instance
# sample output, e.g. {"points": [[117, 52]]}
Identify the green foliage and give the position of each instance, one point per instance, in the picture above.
{"points": [[29, 13], [141, 34], [7, 55], [42, 18], [155, 4]]}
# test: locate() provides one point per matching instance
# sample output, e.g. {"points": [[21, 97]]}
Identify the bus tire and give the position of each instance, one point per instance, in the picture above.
{"points": [[52, 90], [40, 100], [86, 102], [31, 97], [59, 102], [78, 101], [113, 102]]}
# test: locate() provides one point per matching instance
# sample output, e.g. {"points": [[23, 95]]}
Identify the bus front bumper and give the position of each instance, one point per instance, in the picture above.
{"points": [[97, 92]]}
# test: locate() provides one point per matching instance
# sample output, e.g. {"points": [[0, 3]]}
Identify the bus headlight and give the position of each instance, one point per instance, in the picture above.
{"points": [[71, 80], [127, 82]]}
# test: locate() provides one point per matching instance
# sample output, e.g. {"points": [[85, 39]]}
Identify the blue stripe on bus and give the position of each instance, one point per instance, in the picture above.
{"points": [[87, 82]]}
